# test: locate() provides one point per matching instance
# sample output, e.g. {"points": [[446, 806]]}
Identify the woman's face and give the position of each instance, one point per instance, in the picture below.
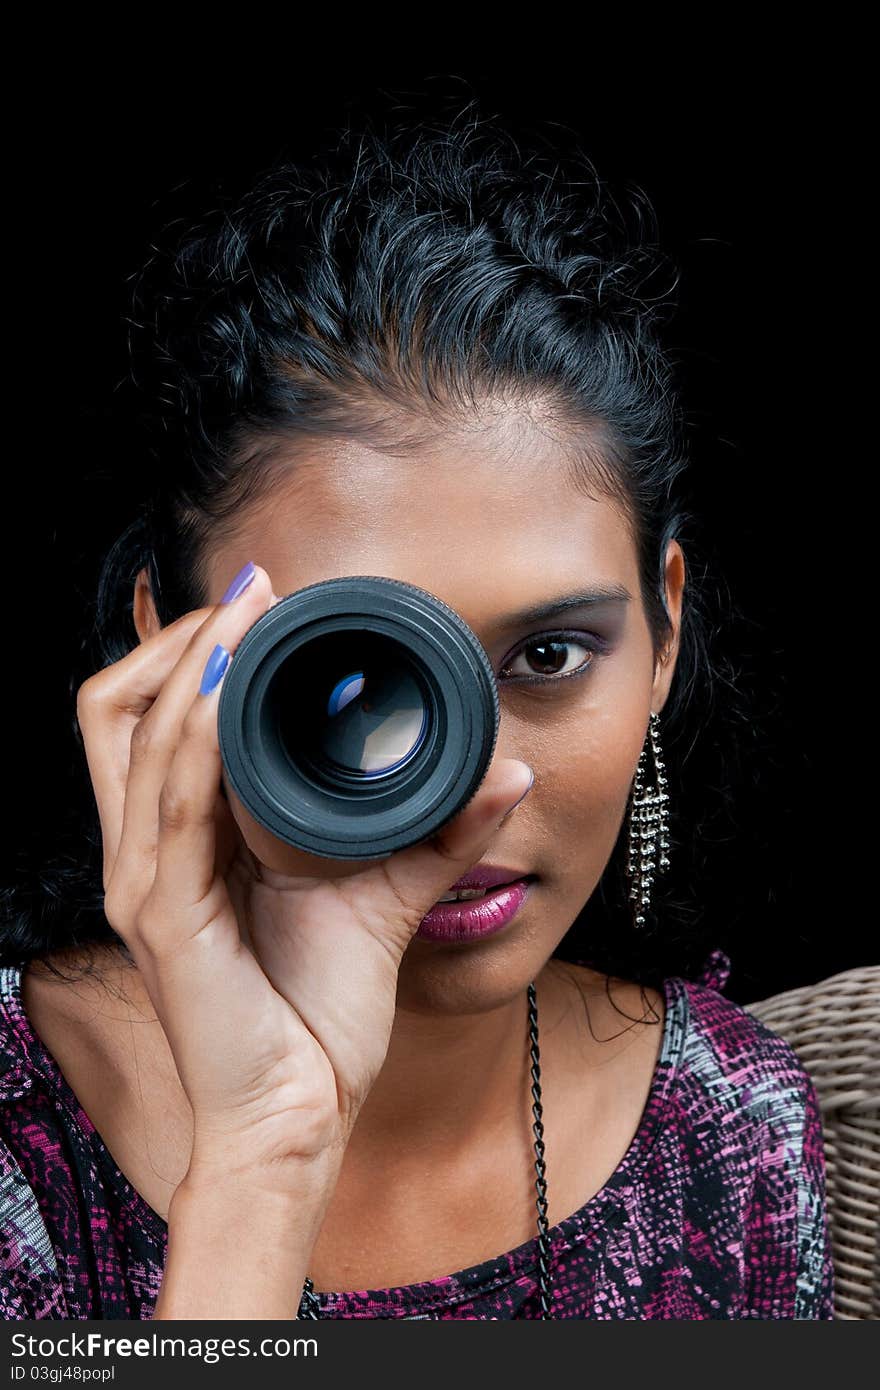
{"points": [[490, 523]]}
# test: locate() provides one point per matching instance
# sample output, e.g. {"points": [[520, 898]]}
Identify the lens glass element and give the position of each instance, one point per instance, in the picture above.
{"points": [[350, 702], [375, 721]]}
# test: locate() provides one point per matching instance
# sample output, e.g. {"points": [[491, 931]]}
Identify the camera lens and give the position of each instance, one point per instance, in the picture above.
{"points": [[357, 716], [350, 707]]}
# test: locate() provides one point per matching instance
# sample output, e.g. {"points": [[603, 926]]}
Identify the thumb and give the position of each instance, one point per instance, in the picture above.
{"points": [[415, 878]]}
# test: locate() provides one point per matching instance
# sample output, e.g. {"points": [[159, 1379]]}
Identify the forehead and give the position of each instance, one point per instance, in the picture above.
{"points": [[471, 512]]}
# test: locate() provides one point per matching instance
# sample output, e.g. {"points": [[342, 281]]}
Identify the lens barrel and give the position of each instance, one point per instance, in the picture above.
{"points": [[357, 717]]}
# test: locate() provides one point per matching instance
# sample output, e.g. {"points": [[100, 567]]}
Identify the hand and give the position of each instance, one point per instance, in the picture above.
{"points": [[277, 994]]}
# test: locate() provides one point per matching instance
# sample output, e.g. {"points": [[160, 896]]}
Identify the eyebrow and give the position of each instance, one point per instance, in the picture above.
{"points": [[588, 598]]}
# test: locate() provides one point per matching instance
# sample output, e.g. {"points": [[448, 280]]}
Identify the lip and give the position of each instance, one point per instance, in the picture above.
{"points": [[470, 921], [487, 876]]}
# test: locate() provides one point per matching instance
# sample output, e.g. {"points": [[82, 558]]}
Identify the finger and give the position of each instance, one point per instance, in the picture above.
{"points": [[408, 883], [186, 851], [155, 739], [110, 705]]}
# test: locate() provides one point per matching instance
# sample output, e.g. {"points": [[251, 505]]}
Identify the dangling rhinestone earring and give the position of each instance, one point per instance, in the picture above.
{"points": [[648, 825]]}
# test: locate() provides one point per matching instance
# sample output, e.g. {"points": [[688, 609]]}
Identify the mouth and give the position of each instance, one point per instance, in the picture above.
{"points": [[474, 894], [469, 914], [483, 877]]}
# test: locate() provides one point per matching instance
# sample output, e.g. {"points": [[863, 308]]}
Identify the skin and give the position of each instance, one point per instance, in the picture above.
{"points": [[490, 522]]}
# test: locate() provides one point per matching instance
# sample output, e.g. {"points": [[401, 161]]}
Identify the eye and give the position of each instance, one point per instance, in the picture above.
{"points": [[552, 656]]}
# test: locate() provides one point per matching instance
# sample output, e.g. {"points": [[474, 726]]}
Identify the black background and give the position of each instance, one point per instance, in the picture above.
{"points": [[751, 171]]}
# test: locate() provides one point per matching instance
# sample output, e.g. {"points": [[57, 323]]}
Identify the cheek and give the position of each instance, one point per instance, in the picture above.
{"points": [[587, 763]]}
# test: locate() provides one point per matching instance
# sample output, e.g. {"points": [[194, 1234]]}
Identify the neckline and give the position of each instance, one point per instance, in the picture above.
{"points": [[425, 1295]]}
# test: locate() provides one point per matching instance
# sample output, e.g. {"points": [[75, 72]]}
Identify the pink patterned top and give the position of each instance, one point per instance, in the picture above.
{"points": [[717, 1209]]}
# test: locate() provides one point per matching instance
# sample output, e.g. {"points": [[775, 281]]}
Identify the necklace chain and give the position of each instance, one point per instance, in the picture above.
{"points": [[310, 1307]]}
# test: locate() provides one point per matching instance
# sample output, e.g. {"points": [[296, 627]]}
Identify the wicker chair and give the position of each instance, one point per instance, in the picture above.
{"points": [[834, 1027]]}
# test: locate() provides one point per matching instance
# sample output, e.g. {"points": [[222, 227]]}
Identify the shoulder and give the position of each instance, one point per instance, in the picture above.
{"points": [[30, 1285], [17, 1075], [29, 1281], [733, 1062], [749, 1122]]}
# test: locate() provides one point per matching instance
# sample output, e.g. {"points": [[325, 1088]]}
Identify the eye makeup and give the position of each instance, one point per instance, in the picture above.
{"points": [[591, 642]]}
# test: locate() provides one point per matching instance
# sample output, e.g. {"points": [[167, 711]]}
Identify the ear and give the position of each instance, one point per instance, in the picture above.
{"points": [[146, 619], [665, 667]]}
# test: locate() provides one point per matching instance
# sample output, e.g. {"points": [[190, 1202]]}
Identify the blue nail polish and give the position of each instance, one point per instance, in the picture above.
{"points": [[215, 669], [239, 583]]}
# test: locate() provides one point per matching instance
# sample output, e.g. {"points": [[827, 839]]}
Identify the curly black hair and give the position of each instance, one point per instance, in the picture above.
{"points": [[383, 291]]}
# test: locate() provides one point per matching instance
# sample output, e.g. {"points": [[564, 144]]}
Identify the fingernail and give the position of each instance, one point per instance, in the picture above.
{"points": [[215, 669], [522, 798], [239, 583]]}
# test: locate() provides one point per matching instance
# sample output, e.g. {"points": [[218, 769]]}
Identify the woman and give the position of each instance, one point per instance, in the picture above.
{"points": [[276, 1085]]}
